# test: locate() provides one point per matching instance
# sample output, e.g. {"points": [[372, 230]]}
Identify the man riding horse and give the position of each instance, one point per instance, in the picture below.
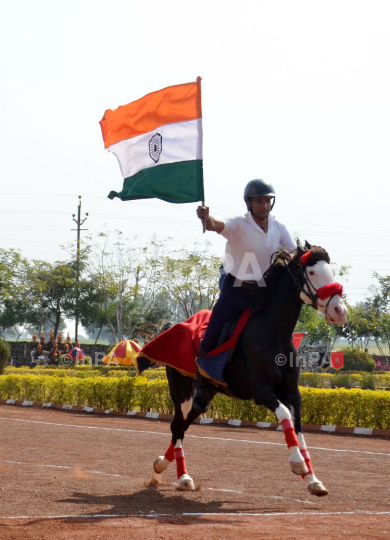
{"points": [[252, 239]]}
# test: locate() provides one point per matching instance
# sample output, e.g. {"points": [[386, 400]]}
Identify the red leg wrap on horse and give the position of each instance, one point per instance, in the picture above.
{"points": [[170, 453], [306, 456], [289, 433], [180, 462]]}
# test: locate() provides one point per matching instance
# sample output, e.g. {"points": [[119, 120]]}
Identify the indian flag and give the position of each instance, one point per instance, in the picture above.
{"points": [[158, 143]]}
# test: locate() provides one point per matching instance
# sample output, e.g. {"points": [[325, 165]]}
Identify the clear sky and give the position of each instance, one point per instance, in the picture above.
{"points": [[295, 92]]}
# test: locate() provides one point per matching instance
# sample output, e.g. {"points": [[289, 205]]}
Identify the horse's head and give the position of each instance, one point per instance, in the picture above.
{"points": [[318, 286]]}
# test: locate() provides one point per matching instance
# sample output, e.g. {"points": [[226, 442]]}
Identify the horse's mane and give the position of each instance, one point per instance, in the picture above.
{"points": [[317, 254], [279, 268]]}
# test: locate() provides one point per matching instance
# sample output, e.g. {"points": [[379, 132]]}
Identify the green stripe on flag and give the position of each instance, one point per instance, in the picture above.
{"points": [[180, 182]]}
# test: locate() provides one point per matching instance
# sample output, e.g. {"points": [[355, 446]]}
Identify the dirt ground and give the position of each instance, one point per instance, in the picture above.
{"points": [[79, 476]]}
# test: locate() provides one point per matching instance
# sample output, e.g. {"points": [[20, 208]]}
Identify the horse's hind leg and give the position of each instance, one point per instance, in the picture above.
{"points": [[183, 414], [175, 452], [181, 389]]}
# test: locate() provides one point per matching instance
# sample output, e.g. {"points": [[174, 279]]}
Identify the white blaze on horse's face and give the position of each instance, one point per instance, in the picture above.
{"points": [[321, 274]]}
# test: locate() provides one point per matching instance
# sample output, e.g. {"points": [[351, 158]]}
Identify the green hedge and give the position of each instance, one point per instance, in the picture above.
{"points": [[356, 360], [370, 381], [79, 372], [363, 380], [122, 394], [84, 371], [360, 408]]}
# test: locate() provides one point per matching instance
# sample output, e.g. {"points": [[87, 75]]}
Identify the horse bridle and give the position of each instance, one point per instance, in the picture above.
{"points": [[303, 279]]}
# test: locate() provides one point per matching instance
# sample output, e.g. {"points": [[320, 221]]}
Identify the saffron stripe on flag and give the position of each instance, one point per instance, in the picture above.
{"points": [[158, 181], [180, 142], [178, 103]]}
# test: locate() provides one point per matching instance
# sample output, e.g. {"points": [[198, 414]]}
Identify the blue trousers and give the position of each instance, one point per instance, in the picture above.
{"points": [[231, 302]]}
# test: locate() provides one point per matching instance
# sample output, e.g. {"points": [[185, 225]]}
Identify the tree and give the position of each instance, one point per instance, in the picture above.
{"points": [[126, 281], [5, 354], [380, 299], [17, 306], [359, 327], [53, 289], [321, 333], [191, 278], [307, 317], [382, 328], [318, 331], [379, 305]]}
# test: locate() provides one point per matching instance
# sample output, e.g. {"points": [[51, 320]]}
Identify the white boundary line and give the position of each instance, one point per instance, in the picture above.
{"points": [[62, 467], [261, 496], [193, 436], [368, 432], [200, 514]]}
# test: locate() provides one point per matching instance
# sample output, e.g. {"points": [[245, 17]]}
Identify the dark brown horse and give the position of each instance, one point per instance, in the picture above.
{"points": [[264, 365]]}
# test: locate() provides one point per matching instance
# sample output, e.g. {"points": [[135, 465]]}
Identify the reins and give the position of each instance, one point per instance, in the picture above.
{"points": [[303, 279]]}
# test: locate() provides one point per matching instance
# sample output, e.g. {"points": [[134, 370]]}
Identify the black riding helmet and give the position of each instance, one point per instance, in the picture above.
{"points": [[258, 188]]}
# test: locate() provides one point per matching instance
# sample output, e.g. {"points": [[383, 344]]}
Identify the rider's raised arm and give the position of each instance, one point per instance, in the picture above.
{"points": [[212, 224]]}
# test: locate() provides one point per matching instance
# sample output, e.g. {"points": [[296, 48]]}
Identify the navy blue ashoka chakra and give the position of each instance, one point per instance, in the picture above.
{"points": [[155, 147]]}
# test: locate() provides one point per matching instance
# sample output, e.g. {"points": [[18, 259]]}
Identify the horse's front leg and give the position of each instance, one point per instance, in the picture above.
{"points": [[162, 462], [296, 460], [315, 486], [264, 396]]}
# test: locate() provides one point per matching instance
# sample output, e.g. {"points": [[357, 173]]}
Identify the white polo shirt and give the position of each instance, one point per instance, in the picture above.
{"points": [[249, 249]]}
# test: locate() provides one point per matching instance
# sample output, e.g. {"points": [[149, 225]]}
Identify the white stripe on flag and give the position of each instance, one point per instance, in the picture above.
{"points": [[180, 142]]}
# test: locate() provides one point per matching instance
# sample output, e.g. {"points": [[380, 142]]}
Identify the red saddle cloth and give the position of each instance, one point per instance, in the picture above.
{"points": [[178, 347]]}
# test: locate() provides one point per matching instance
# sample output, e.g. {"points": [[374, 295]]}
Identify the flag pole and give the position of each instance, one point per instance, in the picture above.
{"points": [[203, 220], [199, 107]]}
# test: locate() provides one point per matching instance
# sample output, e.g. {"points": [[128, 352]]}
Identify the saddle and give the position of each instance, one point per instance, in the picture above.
{"points": [[212, 364]]}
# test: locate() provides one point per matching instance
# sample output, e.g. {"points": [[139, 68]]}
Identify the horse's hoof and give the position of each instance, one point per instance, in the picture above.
{"points": [[299, 468], [317, 488], [160, 464], [186, 483]]}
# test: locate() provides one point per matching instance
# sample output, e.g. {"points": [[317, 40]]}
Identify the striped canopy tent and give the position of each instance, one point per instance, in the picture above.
{"points": [[123, 354], [76, 354]]}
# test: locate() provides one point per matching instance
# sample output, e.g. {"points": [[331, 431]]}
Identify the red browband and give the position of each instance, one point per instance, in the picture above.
{"points": [[305, 258], [330, 290]]}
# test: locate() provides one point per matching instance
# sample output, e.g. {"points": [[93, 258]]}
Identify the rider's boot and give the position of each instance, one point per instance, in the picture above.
{"points": [[201, 399]]}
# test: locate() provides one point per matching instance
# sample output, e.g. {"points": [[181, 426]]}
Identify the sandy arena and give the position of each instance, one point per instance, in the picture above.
{"points": [[79, 476]]}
